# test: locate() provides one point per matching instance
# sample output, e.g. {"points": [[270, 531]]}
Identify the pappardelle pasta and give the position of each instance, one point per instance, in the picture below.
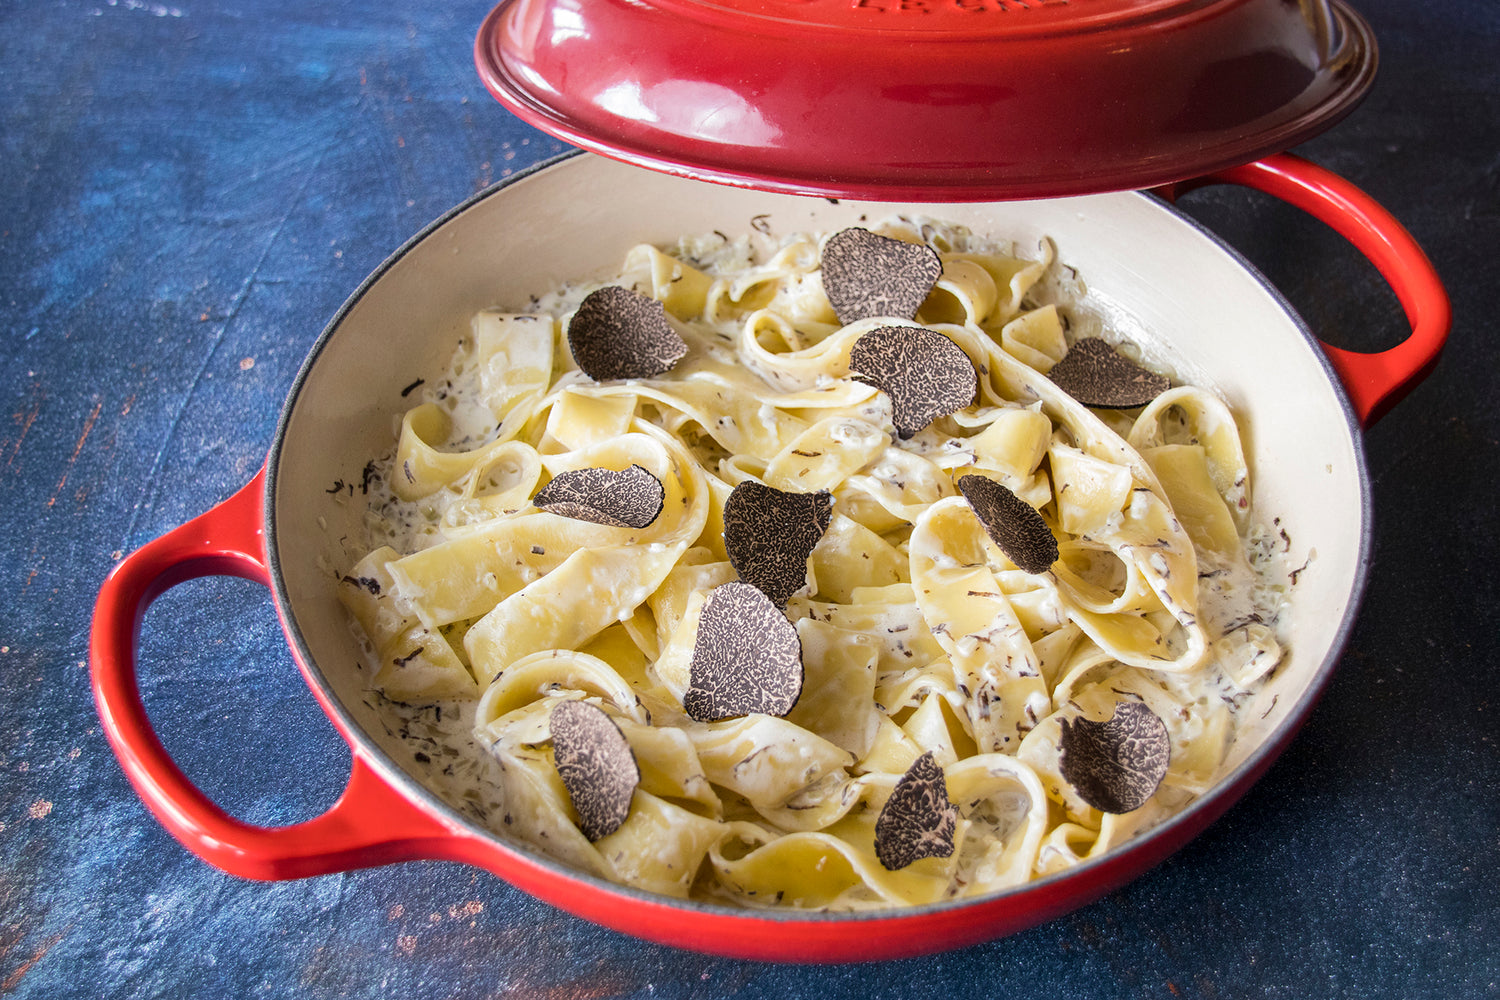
{"points": [[779, 560]]}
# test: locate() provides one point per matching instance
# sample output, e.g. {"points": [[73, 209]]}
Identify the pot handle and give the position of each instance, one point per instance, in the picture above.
{"points": [[1374, 382], [370, 824]]}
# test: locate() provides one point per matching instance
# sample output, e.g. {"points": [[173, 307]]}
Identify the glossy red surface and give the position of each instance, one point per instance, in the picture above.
{"points": [[370, 824], [929, 100], [384, 816], [1374, 382]]}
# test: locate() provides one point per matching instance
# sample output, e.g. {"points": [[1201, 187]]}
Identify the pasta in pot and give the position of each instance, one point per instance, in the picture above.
{"points": [[925, 648]]}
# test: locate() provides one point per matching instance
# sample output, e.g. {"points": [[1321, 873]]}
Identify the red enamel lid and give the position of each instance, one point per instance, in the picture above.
{"points": [[929, 100]]}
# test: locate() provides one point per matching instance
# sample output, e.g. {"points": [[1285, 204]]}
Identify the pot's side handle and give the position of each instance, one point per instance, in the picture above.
{"points": [[1375, 382], [370, 823]]}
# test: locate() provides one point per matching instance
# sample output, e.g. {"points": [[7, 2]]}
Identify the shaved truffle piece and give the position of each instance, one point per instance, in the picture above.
{"points": [[770, 533], [1012, 523], [1116, 766], [747, 657], [1096, 374], [631, 498], [926, 375], [867, 275], [620, 334], [918, 819], [596, 765]]}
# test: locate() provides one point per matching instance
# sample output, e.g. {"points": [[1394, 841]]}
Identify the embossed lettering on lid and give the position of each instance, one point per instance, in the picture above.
{"points": [[966, 17]]}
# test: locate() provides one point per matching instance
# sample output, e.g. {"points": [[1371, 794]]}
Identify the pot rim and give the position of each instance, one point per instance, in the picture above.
{"points": [[1177, 830]]}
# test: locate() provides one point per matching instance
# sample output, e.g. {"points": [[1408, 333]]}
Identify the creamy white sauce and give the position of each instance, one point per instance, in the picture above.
{"points": [[1241, 604]]}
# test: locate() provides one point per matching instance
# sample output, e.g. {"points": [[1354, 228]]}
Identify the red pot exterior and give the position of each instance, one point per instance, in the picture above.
{"points": [[386, 815], [382, 819]]}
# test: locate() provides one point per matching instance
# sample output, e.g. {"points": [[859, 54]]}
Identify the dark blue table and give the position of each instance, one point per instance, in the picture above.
{"points": [[190, 190]]}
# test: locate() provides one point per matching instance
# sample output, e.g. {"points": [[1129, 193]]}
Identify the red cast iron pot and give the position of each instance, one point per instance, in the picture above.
{"points": [[1162, 279]]}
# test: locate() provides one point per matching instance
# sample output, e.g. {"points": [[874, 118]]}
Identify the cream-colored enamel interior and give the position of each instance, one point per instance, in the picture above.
{"points": [[1174, 291]]}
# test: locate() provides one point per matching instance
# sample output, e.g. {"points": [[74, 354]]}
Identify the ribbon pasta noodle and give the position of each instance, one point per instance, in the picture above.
{"points": [[920, 636]]}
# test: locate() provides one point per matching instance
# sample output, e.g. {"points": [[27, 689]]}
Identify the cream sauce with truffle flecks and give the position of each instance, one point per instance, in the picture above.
{"points": [[920, 638]]}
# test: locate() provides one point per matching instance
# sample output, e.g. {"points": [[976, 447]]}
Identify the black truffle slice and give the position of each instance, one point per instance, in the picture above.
{"points": [[1012, 523], [918, 819], [631, 498], [926, 375], [596, 765], [747, 657], [620, 334], [867, 275], [1116, 766], [770, 533], [1096, 374]]}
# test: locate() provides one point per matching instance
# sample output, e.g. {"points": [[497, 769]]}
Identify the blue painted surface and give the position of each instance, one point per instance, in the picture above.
{"points": [[189, 192]]}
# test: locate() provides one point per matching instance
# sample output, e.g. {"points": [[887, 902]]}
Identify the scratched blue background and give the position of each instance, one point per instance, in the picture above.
{"points": [[188, 191]]}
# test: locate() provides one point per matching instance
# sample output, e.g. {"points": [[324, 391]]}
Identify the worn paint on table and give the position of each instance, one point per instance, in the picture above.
{"points": [[189, 193]]}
